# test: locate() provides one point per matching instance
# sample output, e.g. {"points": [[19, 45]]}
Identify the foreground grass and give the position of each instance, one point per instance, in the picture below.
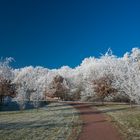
{"points": [[53, 122], [127, 119]]}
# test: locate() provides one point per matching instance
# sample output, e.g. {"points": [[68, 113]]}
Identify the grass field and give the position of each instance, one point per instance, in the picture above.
{"points": [[126, 119], [53, 122]]}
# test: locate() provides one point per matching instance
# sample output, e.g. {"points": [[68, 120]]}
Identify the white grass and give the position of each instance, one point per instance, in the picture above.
{"points": [[53, 122], [127, 119]]}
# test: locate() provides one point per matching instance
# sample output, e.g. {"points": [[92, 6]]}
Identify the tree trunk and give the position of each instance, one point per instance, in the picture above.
{"points": [[131, 103], [102, 101], [0, 100]]}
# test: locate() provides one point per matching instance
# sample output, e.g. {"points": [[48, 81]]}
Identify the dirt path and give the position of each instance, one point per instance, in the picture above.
{"points": [[96, 126]]}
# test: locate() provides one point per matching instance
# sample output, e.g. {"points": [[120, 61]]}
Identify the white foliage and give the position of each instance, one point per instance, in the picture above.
{"points": [[124, 70], [5, 69]]}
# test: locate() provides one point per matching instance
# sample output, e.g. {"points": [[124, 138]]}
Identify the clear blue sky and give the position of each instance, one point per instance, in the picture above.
{"points": [[52, 33]]}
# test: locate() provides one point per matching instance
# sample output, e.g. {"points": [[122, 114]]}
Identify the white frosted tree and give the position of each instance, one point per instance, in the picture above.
{"points": [[127, 76], [36, 81], [21, 97], [32, 81], [6, 77], [5, 69]]}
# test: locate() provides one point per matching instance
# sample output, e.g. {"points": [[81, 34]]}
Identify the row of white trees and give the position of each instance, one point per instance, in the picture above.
{"points": [[34, 83]]}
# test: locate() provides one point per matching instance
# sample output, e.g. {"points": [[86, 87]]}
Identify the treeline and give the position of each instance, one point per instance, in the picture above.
{"points": [[108, 78]]}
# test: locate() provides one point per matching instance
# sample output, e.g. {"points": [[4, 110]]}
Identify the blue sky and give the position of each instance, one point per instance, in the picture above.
{"points": [[52, 33]]}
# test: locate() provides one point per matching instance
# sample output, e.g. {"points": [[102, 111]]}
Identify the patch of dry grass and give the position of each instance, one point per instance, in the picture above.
{"points": [[53, 122], [126, 118]]}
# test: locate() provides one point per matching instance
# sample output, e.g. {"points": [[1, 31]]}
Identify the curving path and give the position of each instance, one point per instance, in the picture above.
{"points": [[96, 126]]}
